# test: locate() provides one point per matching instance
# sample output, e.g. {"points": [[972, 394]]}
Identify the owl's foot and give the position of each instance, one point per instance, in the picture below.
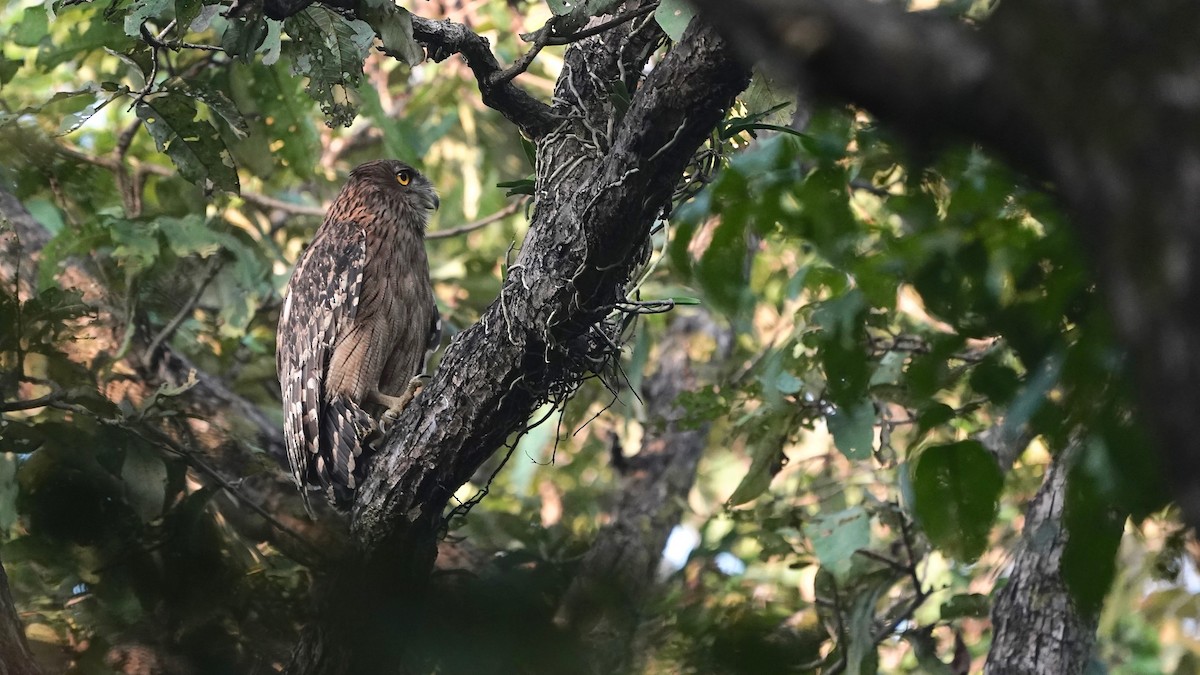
{"points": [[395, 404]]}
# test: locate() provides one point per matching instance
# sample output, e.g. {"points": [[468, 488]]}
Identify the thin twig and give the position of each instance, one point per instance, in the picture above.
{"points": [[444, 38], [482, 222], [214, 266], [522, 64], [601, 27], [204, 467], [281, 205], [29, 404], [126, 139]]}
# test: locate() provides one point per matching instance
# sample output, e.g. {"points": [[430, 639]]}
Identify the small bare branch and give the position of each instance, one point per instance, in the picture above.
{"points": [[30, 404], [601, 27], [214, 266], [475, 225]]}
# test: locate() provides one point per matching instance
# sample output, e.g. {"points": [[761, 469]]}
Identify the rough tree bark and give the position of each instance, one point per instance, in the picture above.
{"points": [[604, 176], [15, 657], [616, 578], [1036, 626], [1050, 86]]}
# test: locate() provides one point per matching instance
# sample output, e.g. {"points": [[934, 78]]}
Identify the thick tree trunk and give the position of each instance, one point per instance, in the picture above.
{"points": [[1037, 630], [15, 657], [1050, 86], [617, 576], [604, 176]]}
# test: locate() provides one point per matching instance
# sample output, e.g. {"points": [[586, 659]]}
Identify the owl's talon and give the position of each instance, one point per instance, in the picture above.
{"points": [[396, 404], [416, 384]]}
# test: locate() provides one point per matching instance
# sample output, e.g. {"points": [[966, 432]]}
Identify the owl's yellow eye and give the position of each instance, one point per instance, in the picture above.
{"points": [[403, 177]]}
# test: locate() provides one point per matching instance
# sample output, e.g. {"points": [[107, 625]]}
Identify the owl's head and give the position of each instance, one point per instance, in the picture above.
{"points": [[397, 180]]}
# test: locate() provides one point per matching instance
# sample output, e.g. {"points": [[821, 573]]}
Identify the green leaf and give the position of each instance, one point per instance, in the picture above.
{"points": [[46, 213], [135, 244], [932, 415], [843, 356], [244, 33], [194, 145], [33, 27], [956, 491], [1094, 527], [620, 98], [142, 11], [186, 12], [524, 186], [329, 51], [966, 605], [393, 24], [90, 34], [734, 129], [995, 380], [722, 270], [1032, 396], [853, 429], [890, 369], [279, 111], [272, 43], [145, 476], [836, 536], [190, 235], [674, 16], [8, 69], [767, 459], [530, 152], [216, 100], [787, 383], [766, 101]]}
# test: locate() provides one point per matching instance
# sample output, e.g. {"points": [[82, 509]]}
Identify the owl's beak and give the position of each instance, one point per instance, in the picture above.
{"points": [[437, 202]]}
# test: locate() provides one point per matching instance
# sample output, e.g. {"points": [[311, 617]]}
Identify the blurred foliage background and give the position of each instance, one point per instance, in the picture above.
{"points": [[900, 319]]}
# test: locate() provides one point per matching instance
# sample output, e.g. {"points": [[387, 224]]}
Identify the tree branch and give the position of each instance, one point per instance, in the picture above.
{"points": [[552, 297], [265, 202], [477, 224], [1037, 627], [445, 38], [931, 76], [603, 26], [30, 404]]}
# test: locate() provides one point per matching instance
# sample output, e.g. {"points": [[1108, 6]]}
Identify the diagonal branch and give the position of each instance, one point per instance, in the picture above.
{"points": [[560, 286], [590, 225], [932, 76], [445, 38]]}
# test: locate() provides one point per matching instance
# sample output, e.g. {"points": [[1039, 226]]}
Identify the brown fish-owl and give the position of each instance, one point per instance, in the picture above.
{"points": [[357, 324]]}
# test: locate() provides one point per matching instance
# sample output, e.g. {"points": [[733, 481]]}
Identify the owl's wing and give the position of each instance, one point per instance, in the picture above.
{"points": [[435, 333], [322, 302]]}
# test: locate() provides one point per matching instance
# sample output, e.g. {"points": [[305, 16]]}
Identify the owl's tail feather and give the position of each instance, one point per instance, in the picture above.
{"points": [[346, 426]]}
